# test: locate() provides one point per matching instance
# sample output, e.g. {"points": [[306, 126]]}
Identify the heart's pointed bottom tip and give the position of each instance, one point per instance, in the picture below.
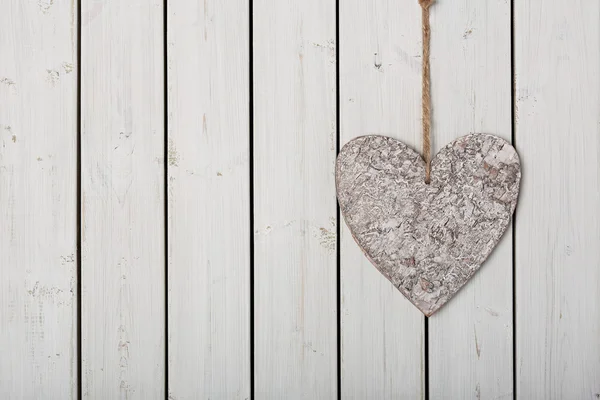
{"points": [[428, 313], [426, 309]]}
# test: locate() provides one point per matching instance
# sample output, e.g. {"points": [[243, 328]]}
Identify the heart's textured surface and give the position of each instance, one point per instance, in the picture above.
{"points": [[428, 239]]}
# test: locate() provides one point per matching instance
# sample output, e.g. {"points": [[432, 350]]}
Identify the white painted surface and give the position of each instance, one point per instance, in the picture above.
{"points": [[471, 337], [557, 59], [38, 200], [295, 314], [123, 225], [209, 199], [380, 89]]}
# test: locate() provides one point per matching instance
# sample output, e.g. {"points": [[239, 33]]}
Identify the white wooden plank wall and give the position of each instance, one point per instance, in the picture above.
{"points": [[557, 116], [295, 269], [380, 86], [209, 202], [471, 338], [122, 206], [240, 187], [38, 200]]}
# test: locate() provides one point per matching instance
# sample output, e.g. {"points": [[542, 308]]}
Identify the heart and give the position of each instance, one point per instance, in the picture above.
{"points": [[428, 239]]}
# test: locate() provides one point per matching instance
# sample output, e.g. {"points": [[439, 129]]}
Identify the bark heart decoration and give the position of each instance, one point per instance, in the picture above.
{"points": [[428, 239]]}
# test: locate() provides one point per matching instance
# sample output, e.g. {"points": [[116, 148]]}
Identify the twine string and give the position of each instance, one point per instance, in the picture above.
{"points": [[425, 88]]}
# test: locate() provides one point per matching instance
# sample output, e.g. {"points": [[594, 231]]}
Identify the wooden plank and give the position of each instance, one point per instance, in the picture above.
{"points": [[209, 203], [471, 92], [557, 59], [38, 200], [123, 229], [380, 91], [294, 199]]}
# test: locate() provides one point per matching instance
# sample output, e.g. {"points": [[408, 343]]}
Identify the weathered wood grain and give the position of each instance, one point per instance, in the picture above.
{"points": [[557, 110], [123, 224], [209, 199], [294, 199], [38, 200], [430, 238], [471, 92], [380, 80]]}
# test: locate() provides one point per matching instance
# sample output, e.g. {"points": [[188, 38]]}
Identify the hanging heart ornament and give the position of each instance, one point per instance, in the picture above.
{"points": [[428, 239]]}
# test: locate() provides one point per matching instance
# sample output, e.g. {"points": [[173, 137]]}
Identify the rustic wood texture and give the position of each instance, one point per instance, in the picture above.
{"points": [[557, 98], [380, 90], [557, 117], [122, 177], [38, 200], [295, 302], [209, 199], [428, 239], [471, 92]]}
